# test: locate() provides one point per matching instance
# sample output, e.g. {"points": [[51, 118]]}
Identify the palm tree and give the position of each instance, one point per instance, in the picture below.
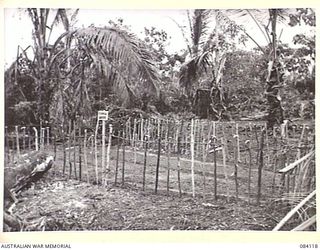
{"points": [[207, 55], [275, 69], [62, 67]]}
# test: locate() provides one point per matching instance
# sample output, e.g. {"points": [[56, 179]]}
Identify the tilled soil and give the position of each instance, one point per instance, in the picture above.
{"points": [[72, 205]]}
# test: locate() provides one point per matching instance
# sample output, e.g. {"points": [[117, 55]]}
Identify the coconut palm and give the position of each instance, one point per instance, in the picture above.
{"points": [[62, 68], [207, 54], [263, 20]]}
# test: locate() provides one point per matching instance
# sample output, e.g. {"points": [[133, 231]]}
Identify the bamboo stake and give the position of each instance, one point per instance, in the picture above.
{"points": [[64, 152], [96, 151], [92, 155], [178, 156], [145, 163], [108, 154], [117, 160], [48, 135], [55, 147], [236, 158], [224, 165], [74, 150], [123, 155], [134, 140], [260, 166], [192, 157], [80, 159], [103, 153], [36, 138], [214, 139], [69, 149], [24, 137], [226, 145], [141, 133], [29, 139], [203, 159], [168, 157], [85, 155], [238, 142], [42, 138], [158, 156], [17, 140], [129, 132], [248, 145]]}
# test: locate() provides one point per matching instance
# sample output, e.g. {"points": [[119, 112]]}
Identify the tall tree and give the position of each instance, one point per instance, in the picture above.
{"points": [[207, 50], [62, 68]]}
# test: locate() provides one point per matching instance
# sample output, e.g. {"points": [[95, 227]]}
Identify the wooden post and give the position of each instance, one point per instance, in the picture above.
{"points": [[29, 138], [134, 136], [168, 156], [85, 155], [141, 133], [108, 154], [248, 145], [117, 159], [215, 167], [236, 165], [123, 156], [96, 151], [48, 135], [42, 138], [145, 163], [64, 151], [103, 154], [178, 155], [55, 147], [260, 166], [192, 157], [36, 138], [238, 142], [74, 149], [158, 156], [17, 140], [226, 145], [80, 159], [225, 165], [24, 137], [92, 156], [204, 156]]}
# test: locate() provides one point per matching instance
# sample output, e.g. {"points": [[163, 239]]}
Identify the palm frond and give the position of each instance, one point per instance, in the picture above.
{"points": [[199, 30], [121, 48]]}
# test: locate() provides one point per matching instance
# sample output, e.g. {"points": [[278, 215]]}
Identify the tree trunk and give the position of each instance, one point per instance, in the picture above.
{"points": [[275, 110]]}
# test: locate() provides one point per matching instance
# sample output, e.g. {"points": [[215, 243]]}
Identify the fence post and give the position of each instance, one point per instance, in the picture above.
{"points": [[17, 140], [85, 154], [192, 156], [158, 156], [224, 158], [48, 136], [108, 154], [36, 138]]}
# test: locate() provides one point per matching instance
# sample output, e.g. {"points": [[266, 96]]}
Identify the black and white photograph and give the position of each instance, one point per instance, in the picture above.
{"points": [[161, 119]]}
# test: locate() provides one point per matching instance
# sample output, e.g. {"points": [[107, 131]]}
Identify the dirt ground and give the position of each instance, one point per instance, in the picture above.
{"points": [[73, 205]]}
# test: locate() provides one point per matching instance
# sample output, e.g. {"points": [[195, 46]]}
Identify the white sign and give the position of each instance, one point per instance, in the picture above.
{"points": [[102, 115]]}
